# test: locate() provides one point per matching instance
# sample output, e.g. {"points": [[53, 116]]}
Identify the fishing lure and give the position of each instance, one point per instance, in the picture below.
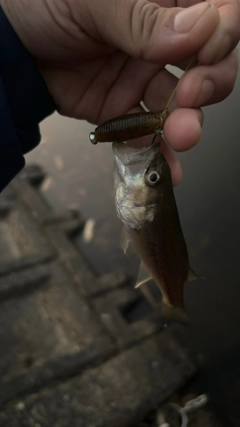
{"points": [[130, 126]]}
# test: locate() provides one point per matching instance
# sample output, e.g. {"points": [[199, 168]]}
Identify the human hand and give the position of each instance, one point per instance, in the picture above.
{"points": [[101, 58]]}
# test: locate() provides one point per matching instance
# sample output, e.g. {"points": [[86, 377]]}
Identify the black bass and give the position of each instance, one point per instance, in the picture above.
{"points": [[146, 205]]}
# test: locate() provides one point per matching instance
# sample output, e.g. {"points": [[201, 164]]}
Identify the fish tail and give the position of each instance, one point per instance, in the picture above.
{"points": [[173, 314]]}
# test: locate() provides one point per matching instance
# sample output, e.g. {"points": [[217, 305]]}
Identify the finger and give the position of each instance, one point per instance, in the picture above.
{"points": [[227, 34], [116, 75], [174, 163], [159, 90], [182, 131], [125, 91], [153, 33], [188, 3], [179, 3], [183, 128], [208, 84]]}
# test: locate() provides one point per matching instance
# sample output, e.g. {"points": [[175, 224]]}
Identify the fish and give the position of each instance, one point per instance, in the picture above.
{"points": [[145, 203]]}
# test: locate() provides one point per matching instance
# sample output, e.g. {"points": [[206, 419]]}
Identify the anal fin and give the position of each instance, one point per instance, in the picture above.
{"points": [[143, 276], [193, 276]]}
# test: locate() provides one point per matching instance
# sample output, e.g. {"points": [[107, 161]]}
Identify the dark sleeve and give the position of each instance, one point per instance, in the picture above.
{"points": [[24, 102]]}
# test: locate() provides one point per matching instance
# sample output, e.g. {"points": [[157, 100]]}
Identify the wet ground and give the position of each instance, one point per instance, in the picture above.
{"points": [[80, 175]]}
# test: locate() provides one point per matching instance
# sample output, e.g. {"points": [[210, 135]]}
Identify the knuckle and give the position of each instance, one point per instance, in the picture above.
{"points": [[146, 22]]}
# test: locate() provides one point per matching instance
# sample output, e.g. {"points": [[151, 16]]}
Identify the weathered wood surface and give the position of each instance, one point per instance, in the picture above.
{"points": [[68, 356]]}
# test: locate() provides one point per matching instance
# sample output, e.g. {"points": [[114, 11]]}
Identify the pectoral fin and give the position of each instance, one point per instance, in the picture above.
{"points": [[193, 276], [143, 276], [125, 240]]}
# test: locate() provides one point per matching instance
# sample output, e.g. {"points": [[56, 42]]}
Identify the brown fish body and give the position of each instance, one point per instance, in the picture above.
{"points": [[162, 248], [146, 204]]}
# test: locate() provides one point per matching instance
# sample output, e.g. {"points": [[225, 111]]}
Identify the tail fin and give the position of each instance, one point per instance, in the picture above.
{"points": [[173, 314]]}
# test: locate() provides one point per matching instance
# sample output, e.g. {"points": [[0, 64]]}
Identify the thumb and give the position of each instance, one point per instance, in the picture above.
{"points": [[156, 34]]}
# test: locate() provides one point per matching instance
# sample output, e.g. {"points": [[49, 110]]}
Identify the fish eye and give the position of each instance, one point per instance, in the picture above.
{"points": [[153, 178]]}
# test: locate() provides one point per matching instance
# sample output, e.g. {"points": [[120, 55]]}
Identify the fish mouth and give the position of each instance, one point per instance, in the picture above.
{"points": [[129, 155]]}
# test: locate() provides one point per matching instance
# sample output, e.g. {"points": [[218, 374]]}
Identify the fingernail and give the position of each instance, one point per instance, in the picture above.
{"points": [[185, 20], [205, 93]]}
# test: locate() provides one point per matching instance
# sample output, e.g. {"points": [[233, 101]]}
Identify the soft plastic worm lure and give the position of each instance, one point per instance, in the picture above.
{"points": [[130, 126]]}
